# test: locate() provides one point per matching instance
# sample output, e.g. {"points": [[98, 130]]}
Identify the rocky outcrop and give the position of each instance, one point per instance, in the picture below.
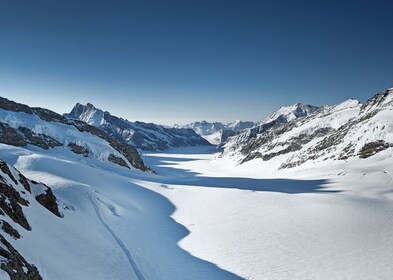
{"points": [[7, 228], [9, 105], [22, 136], [48, 200], [78, 149], [16, 194], [14, 264], [373, 148], [11, 204], [117, 160]]}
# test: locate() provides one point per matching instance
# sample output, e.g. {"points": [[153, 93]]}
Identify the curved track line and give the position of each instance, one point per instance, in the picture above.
{"points": [[127, 252]]}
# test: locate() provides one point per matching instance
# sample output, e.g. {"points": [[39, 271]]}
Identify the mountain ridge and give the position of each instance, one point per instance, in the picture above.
{"points": [[339, 132], [144, 136]]}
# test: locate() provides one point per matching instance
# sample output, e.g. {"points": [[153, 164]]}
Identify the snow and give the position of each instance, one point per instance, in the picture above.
{"points": [[291, 112], [204, 217], [214, 138], [97, 147]]}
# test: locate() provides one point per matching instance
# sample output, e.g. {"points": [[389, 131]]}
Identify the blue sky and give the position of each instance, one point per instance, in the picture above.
{"points": [[179, 61]]}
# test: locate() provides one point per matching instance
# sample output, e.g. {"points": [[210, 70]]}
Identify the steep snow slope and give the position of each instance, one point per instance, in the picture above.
{"points": [[145, 136], [219, 137]]}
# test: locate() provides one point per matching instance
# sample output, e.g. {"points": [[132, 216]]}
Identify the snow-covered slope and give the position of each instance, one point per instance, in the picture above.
{"points": [[21, 125], [338, 132], [145, 136], [219, 137]]}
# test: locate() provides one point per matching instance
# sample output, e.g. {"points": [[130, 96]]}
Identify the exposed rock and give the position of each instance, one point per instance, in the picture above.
{"points": [[373, 148], [10, 136], [10, 204], [78, 149], [13, 106], [49, 116], [22, 136], [24, 182], [48, 200], [14, 264], [118, 160], [7, 228], [40, 140], [4, 167]]}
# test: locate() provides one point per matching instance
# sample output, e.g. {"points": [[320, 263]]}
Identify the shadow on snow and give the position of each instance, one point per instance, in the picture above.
{"points": [[172, 174]]}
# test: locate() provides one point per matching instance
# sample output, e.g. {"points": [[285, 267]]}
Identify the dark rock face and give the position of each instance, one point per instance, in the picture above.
{"points": [[13, 106], [49, 116], [48, 200], [40, 140], [7, 228], [10, 136], [15, 265], [78, 149], [10, 204], [22, 136], [118, 160], [373, 148]]}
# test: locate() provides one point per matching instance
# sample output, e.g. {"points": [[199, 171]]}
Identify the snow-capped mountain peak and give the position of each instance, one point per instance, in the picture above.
{"points": [[288, 113], [87, 113]]}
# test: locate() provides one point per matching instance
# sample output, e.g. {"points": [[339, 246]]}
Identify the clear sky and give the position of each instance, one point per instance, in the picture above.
{"points": [[181, 61]]}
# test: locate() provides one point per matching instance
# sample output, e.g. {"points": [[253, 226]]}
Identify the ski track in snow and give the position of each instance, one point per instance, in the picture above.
{"points": [[134, 267]]}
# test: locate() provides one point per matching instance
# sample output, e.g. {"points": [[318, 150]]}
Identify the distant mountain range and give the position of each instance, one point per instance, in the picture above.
{"points": [[144, 136], [217, 132]]}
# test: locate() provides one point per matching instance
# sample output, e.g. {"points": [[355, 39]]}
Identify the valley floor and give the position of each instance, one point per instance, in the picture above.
{"points": [[201, 217]]}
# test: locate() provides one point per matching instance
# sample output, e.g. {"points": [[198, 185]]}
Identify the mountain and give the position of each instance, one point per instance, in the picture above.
{"points": [[341, 132], [288, 113], [205, 128], [145, 136], [21, 126], [217, 132]]}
